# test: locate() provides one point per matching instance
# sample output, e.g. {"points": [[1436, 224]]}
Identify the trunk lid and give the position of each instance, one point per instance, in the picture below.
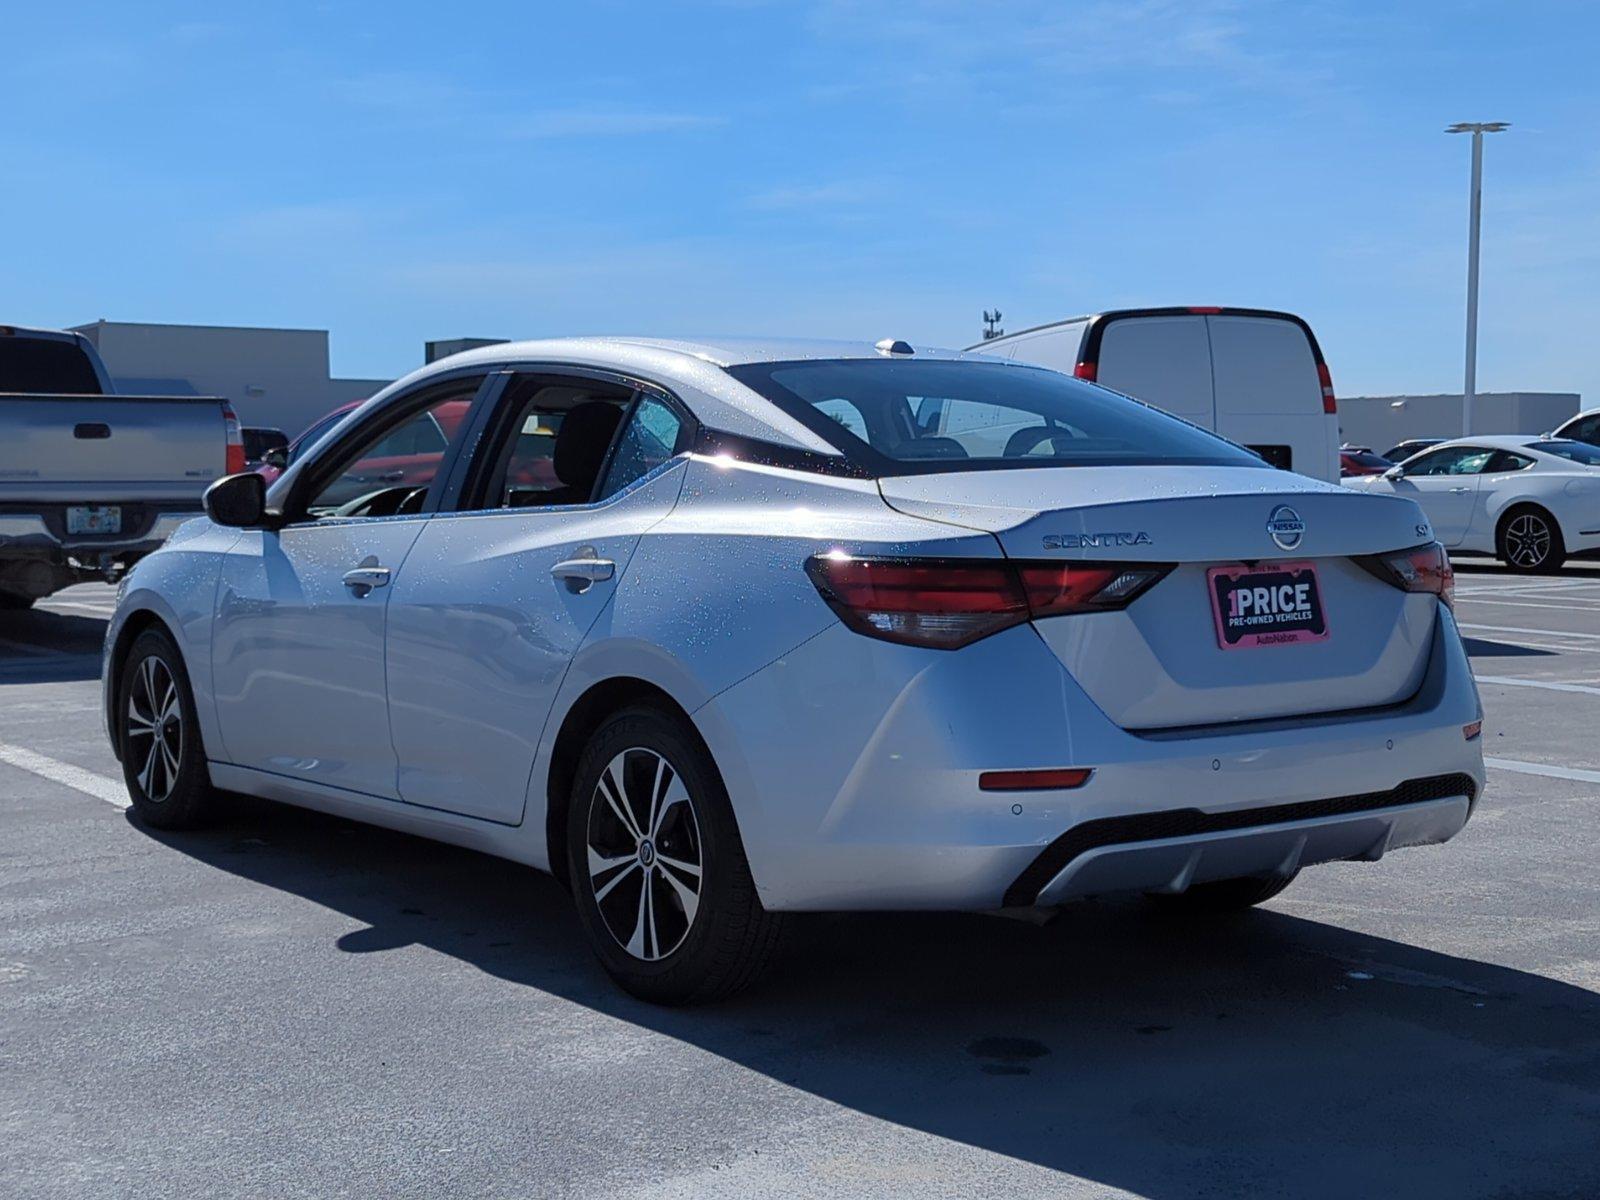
{"points": [[1159, 663]]}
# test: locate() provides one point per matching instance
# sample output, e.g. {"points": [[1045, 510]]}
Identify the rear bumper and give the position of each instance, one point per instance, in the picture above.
{"points": [[42, 533], [853, 767], [1131, 854]]}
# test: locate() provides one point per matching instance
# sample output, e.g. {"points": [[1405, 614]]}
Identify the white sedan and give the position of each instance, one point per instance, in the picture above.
{"points": [[1531, 501], [721, 631]]}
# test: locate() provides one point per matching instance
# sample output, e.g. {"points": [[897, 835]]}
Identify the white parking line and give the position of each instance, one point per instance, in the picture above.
{"points": [[1549, 772], [1536, 632], [1548, 686], [99, 610], [56, 771], [1583, 608]]}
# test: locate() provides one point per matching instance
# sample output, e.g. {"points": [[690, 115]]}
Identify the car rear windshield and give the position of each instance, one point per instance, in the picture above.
{"points": [[46, 367], [1578, 452], [895, 417]]}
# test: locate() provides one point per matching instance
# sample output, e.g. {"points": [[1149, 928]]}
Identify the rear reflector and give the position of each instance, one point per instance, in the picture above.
{"points": [[1468, 732], [1034, 781], [1329, 404], [1422, 569], [1086, 370], [946, 603]]}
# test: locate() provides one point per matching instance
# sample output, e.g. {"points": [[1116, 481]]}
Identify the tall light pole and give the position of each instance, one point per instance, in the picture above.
{"points": [[1477, 129]]}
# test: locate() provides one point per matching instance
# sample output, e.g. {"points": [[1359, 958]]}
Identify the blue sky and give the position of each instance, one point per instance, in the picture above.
{"points": [[403, 171]]}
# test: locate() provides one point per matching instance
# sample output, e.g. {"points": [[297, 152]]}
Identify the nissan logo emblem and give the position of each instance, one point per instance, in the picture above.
{"points": [[1286, 527]]}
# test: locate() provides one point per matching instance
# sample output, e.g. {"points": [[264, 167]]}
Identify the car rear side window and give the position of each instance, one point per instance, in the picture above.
{"points": [[1578, 452], [1504, 461], [959, 415], [46, 367], [550, 443], [652, 437]]}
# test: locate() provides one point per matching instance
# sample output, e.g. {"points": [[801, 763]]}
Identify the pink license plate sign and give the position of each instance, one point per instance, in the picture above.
{"points": [[1276, 605]]}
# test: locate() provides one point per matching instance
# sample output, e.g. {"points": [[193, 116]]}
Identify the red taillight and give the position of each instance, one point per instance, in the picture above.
{"points": [[1329, 404], [1086, 370], [1205, 309], [1034, 781], [946, 603], [233, 463], [1424, 569]]}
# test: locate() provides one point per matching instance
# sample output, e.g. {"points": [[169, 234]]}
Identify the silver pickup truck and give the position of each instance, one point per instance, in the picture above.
{"points": [[91, 481]]}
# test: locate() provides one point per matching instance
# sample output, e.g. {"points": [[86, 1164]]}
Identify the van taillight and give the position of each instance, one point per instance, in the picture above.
{"points": [[1328, 403], [233, 464], [1086, 370], [946, 603]]}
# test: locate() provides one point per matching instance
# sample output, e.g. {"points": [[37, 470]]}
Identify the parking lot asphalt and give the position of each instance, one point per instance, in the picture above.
{"points": [[291, 1005]]}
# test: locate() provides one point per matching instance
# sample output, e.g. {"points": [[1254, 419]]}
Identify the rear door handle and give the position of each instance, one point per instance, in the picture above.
{"points": [[363, 579], [1460, 491], [582, 573]]}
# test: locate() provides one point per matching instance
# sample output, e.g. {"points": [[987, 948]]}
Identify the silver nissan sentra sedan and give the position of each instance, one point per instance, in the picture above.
{"points": [[718, 631]]}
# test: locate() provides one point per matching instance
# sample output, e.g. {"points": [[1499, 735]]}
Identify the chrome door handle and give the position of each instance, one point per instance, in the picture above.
{"points": [[585, 570], [1460, 491], [362, 580]]}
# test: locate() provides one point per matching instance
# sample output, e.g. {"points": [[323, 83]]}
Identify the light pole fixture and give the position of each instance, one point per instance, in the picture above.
{"points": [[1477, 129]]}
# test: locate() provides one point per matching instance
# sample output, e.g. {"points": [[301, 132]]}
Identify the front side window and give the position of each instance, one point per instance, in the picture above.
{"points": [[962, 415], [1457, 460], [650, 439], [391, 469]]}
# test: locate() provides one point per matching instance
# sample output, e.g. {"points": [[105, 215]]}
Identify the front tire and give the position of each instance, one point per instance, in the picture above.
{"points": [[657, 867], [163, 762], [1529, 542]]}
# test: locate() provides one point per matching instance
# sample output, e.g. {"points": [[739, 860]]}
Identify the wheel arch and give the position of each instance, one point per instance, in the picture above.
{"points": [[599, 701], [135, 623]]}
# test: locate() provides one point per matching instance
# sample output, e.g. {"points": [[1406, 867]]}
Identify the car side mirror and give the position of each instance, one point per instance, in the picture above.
{"points": [[277, 457], [1394, 473], [238, 501]]}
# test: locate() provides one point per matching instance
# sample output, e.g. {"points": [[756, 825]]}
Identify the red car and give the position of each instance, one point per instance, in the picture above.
{"points": [[1357, 460]]}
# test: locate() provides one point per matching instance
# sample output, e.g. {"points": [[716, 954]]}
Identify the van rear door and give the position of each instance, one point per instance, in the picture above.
{"points": [[1162, 360], [1269, 393]]}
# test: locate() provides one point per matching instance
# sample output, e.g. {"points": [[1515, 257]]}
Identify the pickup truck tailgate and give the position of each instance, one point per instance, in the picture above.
{"points": [[109, 447]]}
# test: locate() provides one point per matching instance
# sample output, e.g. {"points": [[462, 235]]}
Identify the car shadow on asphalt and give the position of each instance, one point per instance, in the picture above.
{"points": [[1251, 1055], [38, 646]]}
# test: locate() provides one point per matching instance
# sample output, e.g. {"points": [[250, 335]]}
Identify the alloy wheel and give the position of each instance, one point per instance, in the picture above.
{"points": [[154, 728], [1527, 540], [644, 854]]}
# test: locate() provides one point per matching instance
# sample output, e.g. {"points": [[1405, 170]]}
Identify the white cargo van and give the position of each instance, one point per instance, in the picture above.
{"points": [[1256, 377]]}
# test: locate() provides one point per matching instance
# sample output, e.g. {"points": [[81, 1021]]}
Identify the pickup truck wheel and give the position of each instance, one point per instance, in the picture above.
{"points": [[1225, 895], [12, 602], [163, 762]]}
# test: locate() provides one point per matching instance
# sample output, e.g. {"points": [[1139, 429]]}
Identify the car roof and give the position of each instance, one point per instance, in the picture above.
{"points": [[691, 367], [1494, 441]]}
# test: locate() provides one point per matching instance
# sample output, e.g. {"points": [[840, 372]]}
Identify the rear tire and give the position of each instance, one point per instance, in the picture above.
{"points": [[1225, 895], [163, 762], [1529, 541], [657, 867]]}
